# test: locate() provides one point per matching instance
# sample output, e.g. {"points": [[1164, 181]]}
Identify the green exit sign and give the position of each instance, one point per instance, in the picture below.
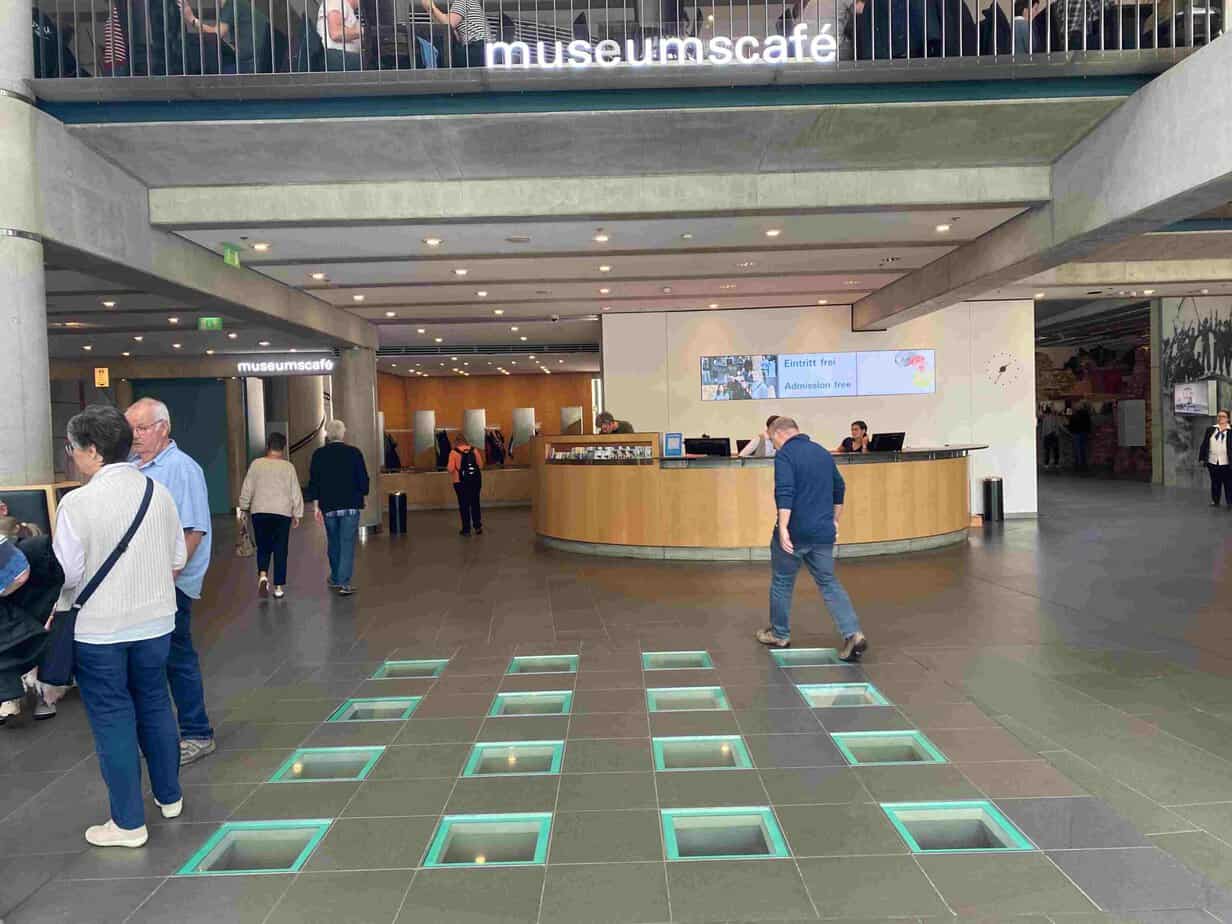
{"points": [[209, 323], [231, 254]]}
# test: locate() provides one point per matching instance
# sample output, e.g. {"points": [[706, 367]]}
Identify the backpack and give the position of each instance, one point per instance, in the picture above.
{"points": [[468, 468]]}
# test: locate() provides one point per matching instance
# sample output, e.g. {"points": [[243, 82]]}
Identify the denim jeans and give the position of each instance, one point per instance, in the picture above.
{"points": [[124, 688], [340, 535], [1080, 450], [184, 674], [819, 559]]}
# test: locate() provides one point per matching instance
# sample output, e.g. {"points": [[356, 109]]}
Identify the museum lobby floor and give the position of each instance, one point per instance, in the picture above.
{"points": [[1070, 679]]}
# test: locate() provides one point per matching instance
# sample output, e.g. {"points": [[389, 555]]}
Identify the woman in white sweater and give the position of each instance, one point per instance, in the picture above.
{"points": [[271, 493], [123, 631]]}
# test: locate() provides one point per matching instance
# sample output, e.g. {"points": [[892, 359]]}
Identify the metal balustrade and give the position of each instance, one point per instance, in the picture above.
{"points": [[146, 38]]}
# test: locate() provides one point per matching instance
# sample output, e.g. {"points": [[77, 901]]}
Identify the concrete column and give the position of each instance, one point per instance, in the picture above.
{"points": [[237, 437], [354, 403], [305, 419], [25, 431], [278, 398]]}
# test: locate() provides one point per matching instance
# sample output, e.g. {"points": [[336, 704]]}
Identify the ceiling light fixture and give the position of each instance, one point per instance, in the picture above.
{"points": [[687, 236], [420, 330], [1041, 294], [728, 286], [822, 301], [233, 336], [605, 268], [513, 330], [498, 311], [1204, 291], [177, 346], [173, 320], [263, 343], [605, 291], [667, 290], [714, 304], [460, 271], [209, 352], [746, 264], [773, 232], [261, 246], [440, 340], [941, 229], [87, 347], [358, 298], [319, 277], [432, 241], [109, 304], [139, 337], [126, 353], [601, 237], [607, 307], [1148, 291], [391, 314], [482, 293], [522, 338]]}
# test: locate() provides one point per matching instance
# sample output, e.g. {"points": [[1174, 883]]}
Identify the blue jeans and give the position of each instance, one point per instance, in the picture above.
{"points": [[1080, 450], [124, 688], [819, 559], [184, 674], [340, 535]]}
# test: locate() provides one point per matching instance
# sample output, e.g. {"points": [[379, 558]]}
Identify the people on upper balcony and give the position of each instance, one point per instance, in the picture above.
{"points": [[469, 29], [341, 34], [233, 38]]}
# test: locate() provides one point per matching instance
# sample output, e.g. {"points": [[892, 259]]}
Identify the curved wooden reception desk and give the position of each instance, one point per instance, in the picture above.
{"points": [[652, 507]]}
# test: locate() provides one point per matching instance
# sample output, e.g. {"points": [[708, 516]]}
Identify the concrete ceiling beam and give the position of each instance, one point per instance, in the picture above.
{"points": [[1163, 156], [1135, 273]]}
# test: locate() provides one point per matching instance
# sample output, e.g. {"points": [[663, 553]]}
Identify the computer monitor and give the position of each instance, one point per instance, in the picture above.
{"points": [[708, 446], [887, 442], [740, 444]]}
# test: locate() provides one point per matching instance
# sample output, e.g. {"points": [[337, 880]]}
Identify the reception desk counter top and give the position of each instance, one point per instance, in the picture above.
{"points": [[699, 508]]}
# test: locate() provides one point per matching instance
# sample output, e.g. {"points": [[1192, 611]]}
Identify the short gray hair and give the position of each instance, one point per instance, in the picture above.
{"points": [[335, 431], [157, 408], [782, 424]]}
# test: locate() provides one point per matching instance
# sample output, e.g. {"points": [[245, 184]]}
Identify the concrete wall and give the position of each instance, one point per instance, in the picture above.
{"points": [[652, 377]]}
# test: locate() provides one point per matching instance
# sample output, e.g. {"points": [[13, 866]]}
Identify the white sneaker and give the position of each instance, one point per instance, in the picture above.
{"points": [[9, 708], [43, 710], [111, 835], [172, 810]]}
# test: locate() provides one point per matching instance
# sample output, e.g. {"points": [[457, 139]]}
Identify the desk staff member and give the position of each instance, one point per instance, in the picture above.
{"points": [[761, 446], [858, 441], [609, 424], [1215, 453]]}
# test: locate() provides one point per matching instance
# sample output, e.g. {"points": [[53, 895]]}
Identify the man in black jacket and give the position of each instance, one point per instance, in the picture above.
{"points": [[338, 483]]}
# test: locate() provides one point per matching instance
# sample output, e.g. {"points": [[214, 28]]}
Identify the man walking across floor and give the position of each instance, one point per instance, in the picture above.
{"points": [[156, 454], [466, 469], [338, 484], [808, 493]]}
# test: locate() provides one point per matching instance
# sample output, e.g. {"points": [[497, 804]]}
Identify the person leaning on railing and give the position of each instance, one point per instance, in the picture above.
{"points": [[340, 31], [241, 30], [469, 24]]}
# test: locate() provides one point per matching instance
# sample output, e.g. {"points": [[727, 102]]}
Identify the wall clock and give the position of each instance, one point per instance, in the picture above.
{"points": [[1003, 369]]}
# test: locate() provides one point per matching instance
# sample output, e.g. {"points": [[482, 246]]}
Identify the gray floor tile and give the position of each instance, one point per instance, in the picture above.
{"points": [[421, 761], [1201, 852], [975, 745], [474, 896], [235, 767], [108, 902], [605, 701], [862, 718], [911, 783], [373, 843], [1146, 815], [1134, 879], [609, 725], [331, 898], [779, 751], [702, 788], [1011, 884], [668, 724], [213, 900], [168, 849], [607, 756], [388, 798], [353, 734], [439, 731], [870, 886], [814, 785], [604, 837], [609, 680], [247, 736], [504, 794], [1061, 824], [1020, 779], [948, 715], [459, 705], [580, 792], [525, 728], [777, 721], [17, 788], [275, 801], [839, 830], [21, 877], [624, 893], [727, 890]]}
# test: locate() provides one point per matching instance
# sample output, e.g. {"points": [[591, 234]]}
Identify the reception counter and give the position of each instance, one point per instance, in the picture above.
{"points": [[615, 495]]}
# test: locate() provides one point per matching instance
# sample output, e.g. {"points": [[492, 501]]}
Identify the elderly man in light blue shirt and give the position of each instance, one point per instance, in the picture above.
{"points": [[156, 454]]}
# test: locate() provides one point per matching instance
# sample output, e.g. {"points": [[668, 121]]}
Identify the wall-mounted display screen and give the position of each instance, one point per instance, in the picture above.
{"points": [[818, 375]]}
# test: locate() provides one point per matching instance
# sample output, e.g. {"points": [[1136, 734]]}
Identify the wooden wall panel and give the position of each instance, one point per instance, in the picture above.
{"points": [[391, 399]]}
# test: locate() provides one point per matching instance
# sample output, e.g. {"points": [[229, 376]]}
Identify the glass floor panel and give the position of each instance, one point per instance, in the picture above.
{"points": [[509, 758], [826, 695], [805, 657], [490, 840], [722, 833], [402, 670], [543, 664], [376, 709], [675, 660], [708, 752], [318, 764], [532, 702], [887, 747], [954, 827], [254, 847], [685, 699]]}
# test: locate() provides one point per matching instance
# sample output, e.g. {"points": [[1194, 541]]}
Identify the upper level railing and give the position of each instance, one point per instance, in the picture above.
{"points": [[147, 38]]}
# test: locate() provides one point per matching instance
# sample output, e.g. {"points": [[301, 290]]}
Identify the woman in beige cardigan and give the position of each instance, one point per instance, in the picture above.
{"points": [[272, 494]]}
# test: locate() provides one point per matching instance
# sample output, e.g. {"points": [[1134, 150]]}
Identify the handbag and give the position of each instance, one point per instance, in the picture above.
{"points": [[244, 546], [56, 668]]}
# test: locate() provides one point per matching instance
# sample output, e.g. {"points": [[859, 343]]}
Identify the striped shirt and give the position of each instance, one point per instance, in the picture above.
{"points": [[474, 25], [115, 49]]}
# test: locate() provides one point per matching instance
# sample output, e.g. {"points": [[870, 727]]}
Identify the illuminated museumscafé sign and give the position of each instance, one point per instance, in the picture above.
{"points": [[689, 51], [323, 365]]}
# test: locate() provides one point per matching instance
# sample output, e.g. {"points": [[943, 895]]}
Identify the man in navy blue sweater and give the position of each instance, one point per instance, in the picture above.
{"points": [[808, 492]]}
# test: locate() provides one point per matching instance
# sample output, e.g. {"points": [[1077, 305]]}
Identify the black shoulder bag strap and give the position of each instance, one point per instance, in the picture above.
{"points": [[105, 568]]}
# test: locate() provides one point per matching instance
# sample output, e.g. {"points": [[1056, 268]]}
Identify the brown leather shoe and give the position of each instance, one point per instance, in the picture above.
{"points": [[767, 637]]}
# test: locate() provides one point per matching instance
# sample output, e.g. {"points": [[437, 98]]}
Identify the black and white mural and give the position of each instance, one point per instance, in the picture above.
{"points": [[1195, 344]]}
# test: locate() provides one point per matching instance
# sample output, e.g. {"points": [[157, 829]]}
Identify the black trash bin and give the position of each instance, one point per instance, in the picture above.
{"points": [[397, 513], [994, 500]]}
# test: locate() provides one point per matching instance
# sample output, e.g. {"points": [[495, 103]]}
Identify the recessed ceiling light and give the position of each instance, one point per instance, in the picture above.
{"points": [[420, 330], [605, 291], [853, 282], [173, 320], [209, 352], [391, 314], [561, 361], [822, 301], [498, 311], [607, 307], [1148, 291], [600, 237], [1041, 294], [746, 264], [126, 353], [109, 304], [482, 293], [686, 236], [605, 268], [263, 343], [460, 271], [139, 337], [440, 340], [359, 297], [514, 363], [87, 347], [1205, 291], [177, 346], [773, 232], [728, 286], [532, 356], [714, 304], [513, 329], [941, 229], [393, 365], [667, 290], [453, 359], [432, 241], [522, 338], [232, 336], [466, 364], [261, 246], [319, 277]]}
